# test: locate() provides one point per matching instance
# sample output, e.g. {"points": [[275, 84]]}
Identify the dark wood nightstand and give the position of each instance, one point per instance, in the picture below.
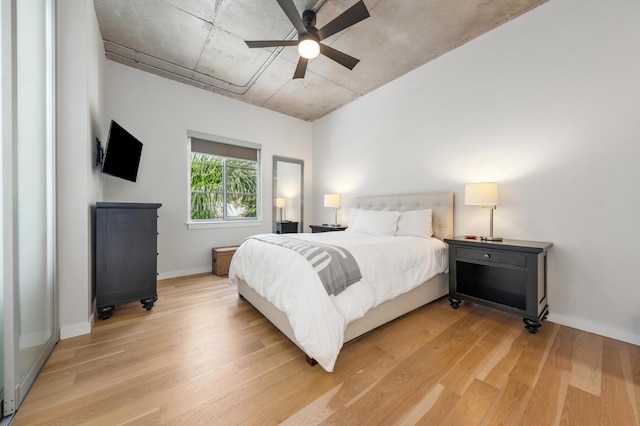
{"points": [[286, 227], [510, 276], [326, 228]]}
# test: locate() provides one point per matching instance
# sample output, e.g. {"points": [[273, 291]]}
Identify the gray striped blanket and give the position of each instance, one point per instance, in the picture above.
{"points": [[336, 267]]}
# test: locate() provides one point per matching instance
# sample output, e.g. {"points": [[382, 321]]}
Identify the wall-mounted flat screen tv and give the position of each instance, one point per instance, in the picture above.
{"points": [[123, 153]]}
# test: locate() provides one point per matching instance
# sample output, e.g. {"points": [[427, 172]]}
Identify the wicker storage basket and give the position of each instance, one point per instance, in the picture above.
{"points": [[221, 259]]}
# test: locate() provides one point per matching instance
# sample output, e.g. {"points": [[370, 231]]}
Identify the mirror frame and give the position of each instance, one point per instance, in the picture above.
{"points": [[276, 160]]}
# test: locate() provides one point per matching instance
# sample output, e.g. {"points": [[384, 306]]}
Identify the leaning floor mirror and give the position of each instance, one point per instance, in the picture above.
{"points": [[288, 195]]}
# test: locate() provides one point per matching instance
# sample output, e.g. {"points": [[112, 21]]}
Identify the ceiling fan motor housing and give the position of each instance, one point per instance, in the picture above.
{"points": [[309, 18]]}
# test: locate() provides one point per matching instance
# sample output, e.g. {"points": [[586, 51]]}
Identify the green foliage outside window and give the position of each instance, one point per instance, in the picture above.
{"points": [[208, 188]]}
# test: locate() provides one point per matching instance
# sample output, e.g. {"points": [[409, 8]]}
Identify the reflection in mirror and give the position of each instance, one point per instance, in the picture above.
{"points": [[288, 197]]}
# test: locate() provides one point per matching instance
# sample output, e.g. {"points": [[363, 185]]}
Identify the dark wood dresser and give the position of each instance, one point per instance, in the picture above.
{"points": [[126, 255]]}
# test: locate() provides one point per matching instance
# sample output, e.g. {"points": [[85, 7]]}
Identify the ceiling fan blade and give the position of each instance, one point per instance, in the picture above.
{"points": [[353, 15], [301, 68], [341, 58], [294, 16], [271, 43]]}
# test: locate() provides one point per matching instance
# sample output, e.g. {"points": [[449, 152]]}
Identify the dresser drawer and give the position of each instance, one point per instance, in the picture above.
{"points": [[494, 256]]}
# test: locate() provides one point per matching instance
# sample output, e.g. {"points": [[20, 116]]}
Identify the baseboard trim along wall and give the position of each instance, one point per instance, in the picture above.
{"points": [[184, 272], [596, 328], [74, 330]]}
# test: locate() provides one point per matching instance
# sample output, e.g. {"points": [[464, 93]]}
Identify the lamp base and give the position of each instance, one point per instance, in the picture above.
{"points": [[491, 238]]}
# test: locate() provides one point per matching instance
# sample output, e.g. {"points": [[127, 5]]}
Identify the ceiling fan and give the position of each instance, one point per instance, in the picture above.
{"points": [[309, 37]]}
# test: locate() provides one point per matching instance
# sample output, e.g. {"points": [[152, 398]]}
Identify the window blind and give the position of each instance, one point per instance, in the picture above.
{"points": [[223, 150]]}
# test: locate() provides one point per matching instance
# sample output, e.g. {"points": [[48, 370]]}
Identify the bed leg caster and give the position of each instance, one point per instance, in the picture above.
{"points": [[240, 296], [312, 362]]}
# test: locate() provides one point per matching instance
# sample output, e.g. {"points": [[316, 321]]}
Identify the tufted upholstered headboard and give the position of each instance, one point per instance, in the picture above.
{"points": [[441, 204]]}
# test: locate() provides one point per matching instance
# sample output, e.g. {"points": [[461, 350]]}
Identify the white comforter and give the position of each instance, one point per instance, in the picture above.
{"points": [[390, 266]]}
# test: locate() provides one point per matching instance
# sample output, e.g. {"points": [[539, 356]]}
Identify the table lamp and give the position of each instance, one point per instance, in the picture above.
{"points": [[485, 195], [280, 205], [333, 201]]}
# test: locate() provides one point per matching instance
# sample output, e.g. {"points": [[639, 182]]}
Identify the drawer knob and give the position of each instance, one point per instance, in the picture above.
{"points": [[487, 256]]}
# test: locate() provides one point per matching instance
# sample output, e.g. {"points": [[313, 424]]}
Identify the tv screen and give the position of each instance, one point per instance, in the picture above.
{"points": [[123, 153]]}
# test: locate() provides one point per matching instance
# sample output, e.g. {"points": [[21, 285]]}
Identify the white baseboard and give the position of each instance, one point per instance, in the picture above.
{"points": [[74, 330], [596, 328], [183, 272]]}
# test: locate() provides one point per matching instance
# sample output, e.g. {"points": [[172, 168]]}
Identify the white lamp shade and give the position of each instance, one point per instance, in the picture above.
{"points": [[478, 194], [332, 200], [280, 202], [308, 48]]}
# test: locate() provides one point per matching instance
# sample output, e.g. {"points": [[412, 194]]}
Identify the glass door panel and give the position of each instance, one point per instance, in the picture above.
{"points": [[28, 276], [2, 236], [35, 284]]}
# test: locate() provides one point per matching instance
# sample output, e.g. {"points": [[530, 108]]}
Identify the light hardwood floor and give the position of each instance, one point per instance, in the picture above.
{"points": [[203, 356]]}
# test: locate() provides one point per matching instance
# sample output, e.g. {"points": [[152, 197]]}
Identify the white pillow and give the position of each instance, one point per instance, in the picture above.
{"points": [[375, 222], [416, 223], [353, 213]]}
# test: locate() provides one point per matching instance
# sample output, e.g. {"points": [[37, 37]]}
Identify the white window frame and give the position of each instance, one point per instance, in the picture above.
{"points": [[232, 223]]}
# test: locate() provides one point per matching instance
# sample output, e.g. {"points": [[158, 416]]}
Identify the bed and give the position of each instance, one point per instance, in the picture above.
{"points": [[258, 269]]}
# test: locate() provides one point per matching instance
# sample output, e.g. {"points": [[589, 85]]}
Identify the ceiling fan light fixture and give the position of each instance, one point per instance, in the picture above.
{"points": [[309, 37], [308, 48]]}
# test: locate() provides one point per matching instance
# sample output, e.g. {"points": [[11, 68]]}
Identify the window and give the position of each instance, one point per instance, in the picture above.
{"points": [[224, 180]]}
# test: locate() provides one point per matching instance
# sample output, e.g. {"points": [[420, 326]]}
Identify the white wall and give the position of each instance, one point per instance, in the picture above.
{"points": [[159, 112], [546, 105], [80, 118]]}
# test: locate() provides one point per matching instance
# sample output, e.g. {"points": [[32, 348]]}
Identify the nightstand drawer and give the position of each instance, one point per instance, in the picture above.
{"points": [[494, 256]]}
